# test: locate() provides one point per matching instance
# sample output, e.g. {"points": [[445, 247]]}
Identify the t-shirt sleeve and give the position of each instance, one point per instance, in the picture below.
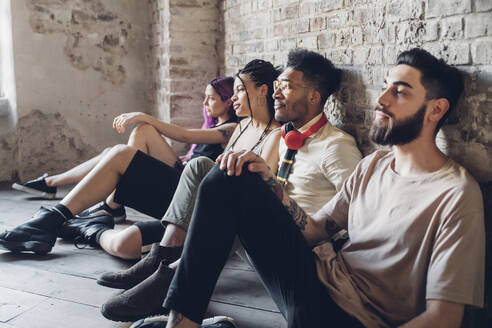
{"points": [[337, 208], [339, 160], [457, 265]]}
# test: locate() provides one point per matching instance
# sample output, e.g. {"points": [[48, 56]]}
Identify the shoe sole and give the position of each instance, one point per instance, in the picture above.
{"points": [[218, 319], [111, 284], [164, 319], [129, 318], [32, 191], [37, 247], [117, 219]]}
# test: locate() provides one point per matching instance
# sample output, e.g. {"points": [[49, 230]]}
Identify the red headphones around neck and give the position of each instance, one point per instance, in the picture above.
{"points": [[295, 139]]}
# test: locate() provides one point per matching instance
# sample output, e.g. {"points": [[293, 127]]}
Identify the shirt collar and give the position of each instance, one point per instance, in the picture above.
{"points": [[306, 126]]}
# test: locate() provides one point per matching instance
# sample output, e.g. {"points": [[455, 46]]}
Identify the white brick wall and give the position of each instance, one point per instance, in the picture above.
{"points": [[364, 37]]}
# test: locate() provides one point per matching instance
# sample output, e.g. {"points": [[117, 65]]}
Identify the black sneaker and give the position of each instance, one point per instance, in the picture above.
{"points": [[161, 322], [37, 187], [37, 235], [84, 231], [101, 209]]}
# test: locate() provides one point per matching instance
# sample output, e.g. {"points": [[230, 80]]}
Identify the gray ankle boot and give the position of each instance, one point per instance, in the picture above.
{"points": [[142, 269], [141, 301]]}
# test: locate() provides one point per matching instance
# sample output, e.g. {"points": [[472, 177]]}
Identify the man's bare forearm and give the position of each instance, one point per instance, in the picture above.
{"points": [[438, 314]]}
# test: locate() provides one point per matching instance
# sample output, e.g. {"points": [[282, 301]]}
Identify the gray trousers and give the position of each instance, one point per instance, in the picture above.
{"points": [[181, 208]]}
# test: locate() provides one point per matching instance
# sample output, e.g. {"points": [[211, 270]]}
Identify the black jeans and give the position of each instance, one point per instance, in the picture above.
{"points": [[246, 207]]}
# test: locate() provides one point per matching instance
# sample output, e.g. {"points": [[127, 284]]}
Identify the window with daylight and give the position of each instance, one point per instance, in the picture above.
{"points": [[7, 81]]}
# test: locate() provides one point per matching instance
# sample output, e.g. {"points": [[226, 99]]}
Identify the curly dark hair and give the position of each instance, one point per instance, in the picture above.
{"points": [[318, 72]]}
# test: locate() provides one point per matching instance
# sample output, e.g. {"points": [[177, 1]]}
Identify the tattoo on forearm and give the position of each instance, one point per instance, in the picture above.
{"points": [[331, 227], [176, 318], [226, 132], [275, 187], [298, 214]]}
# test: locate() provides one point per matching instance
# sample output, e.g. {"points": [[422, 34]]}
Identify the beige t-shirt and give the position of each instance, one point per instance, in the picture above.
{"points": [[411, 239], [321, 165]]}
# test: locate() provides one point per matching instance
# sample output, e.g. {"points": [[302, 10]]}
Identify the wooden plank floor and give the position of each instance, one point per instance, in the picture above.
{"points": [[60, 290]]}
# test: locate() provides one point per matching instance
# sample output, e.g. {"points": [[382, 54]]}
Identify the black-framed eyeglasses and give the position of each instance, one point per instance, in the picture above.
{"points": [[286, 86]]}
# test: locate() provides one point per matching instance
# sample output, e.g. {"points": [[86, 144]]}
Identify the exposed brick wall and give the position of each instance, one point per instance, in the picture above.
{"points": [[185, 37], [363, 37]]}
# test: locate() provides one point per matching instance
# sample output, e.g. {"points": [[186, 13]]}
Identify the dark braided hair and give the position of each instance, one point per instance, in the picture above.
{"points": [[262, 72]]}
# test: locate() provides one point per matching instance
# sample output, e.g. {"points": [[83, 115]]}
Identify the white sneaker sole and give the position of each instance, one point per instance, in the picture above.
{"points": [[217, 319], [165, 318], [32, 191]]}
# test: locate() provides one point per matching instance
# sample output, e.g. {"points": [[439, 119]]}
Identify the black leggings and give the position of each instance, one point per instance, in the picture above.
{"points": [[245, 206]]}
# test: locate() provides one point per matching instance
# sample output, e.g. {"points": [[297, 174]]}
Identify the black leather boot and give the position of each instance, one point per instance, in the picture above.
{"points": [[142, 269], [85, 230], [37, 235], [141, 301]]}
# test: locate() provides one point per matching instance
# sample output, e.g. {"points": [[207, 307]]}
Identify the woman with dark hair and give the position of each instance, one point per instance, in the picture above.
{"points": [[148, 137], [148, 280]]}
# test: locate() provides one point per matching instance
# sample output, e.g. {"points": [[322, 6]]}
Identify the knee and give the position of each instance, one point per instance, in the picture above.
{"points": [[120, 155], [218, 180], [121, 150], [198, 167], [142, 130], [124, 248]]}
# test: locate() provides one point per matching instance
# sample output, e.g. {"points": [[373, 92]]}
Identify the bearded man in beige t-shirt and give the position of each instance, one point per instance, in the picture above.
{"points": [[415, 253]]}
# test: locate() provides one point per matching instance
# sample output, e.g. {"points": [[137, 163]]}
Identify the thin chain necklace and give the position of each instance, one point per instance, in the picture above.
{"points": [[262, 136]]}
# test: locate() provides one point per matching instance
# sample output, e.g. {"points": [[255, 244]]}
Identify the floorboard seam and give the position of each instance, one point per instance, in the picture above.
{"points": [[48, 297], [244, 306]]}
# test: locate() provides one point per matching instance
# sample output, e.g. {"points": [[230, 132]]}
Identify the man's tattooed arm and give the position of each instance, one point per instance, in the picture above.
{"points": [[300, 217]]}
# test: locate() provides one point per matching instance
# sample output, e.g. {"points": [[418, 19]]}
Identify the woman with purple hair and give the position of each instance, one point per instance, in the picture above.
{"points": [[149, 135]]}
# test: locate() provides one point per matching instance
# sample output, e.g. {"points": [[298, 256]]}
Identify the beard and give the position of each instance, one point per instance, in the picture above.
{"points": [[398, 132]]}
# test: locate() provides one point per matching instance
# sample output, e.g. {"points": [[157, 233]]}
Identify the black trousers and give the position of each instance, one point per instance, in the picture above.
{"points": [[246, 207]]}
